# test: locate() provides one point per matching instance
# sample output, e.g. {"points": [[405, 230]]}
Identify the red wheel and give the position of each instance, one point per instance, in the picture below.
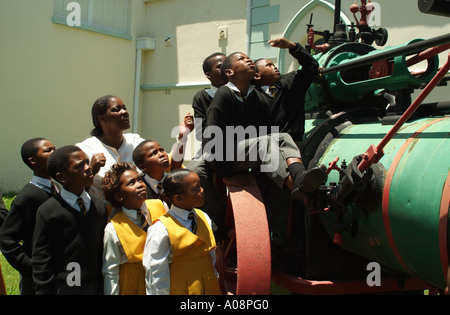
{"points": [[245, 266]]}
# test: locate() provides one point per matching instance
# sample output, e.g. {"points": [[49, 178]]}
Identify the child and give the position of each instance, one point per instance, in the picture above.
{"points": [[17, 231], [179, 253], [203, 98], [68, 236], [286, 93], [215, 204], [238, 104], [154, 162], [126, 232]]}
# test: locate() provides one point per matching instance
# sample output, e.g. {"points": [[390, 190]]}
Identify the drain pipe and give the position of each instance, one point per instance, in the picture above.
{"points": [[142, 44], [249, 26]]}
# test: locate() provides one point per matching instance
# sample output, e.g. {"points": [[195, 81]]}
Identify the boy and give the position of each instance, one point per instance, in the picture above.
{"points": [[68, 236], [215, 204], [286, 93], [203, 98], [126, 232], [238, 104], [153, 161], [17, 231], [179, 253]]}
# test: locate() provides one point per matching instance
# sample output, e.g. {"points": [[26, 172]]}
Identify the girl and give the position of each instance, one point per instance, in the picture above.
{"points": [[125, 234], [179, 254]]}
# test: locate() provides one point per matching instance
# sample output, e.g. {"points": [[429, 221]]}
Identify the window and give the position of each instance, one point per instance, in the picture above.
{"points": [[104, 16]]}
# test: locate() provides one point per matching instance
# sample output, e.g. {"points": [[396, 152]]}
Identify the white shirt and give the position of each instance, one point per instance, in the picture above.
{"points": [[114, 254], [235, 89], [158, 253], [71, 199], [93, 145]]}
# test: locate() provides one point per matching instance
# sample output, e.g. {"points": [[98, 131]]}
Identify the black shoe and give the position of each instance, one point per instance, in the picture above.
{"points": [[307, 183]]}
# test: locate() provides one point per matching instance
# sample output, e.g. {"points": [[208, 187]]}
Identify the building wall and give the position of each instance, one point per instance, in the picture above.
{"points": [[52, 73], [50, 76], [172, 73]]}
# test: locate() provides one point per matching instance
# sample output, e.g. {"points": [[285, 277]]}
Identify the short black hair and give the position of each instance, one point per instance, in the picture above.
{"points": [[138, 156], [207, 65], [256, 63], [29, 149], [173, 182], [227, 64], [99, 108], [58, 160]]}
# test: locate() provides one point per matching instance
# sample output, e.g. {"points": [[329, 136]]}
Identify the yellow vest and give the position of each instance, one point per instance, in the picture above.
{"points": [[191, 269], [132, 238]]}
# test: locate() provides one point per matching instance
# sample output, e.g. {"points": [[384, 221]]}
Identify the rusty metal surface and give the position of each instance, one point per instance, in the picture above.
{"points": [[252, 240]]}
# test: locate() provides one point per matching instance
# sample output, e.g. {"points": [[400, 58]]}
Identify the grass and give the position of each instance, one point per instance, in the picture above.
{"points": [[10, 275]]}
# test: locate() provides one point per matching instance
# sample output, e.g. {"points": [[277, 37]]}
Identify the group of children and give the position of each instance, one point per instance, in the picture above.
{"points": [[147, 235], [60, 239]]}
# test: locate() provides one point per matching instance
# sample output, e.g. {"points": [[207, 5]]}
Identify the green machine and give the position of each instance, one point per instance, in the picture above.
{"points": [[387, 195]]}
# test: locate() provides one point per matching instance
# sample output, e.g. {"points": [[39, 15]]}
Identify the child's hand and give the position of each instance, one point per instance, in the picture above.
{"points": [[186, 127], [281, 43], [97, 162], [188, 121]]}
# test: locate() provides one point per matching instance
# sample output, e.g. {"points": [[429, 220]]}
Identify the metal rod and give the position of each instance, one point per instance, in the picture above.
{"points": [[337, 14], [378, 150], [391, 53]]}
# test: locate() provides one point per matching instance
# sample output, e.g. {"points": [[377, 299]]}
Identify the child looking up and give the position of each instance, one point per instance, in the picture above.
{"points": [[179, 253], [17, 231], [154, 162], [125, 234], [239, 104], [68, 236]]}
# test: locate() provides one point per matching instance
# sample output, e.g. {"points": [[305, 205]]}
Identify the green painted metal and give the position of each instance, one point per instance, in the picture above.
{"points": [[414, 197], [335, 88]]}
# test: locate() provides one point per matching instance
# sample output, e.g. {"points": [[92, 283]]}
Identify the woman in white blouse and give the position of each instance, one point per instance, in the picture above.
{"points": [[109, 144]]}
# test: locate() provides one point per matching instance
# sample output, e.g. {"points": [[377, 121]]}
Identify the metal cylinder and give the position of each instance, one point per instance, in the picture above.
{"points": [[407, 232], [435, 7]]}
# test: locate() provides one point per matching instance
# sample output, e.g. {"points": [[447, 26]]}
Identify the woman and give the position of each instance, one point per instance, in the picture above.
{"points": [[109, 144]]}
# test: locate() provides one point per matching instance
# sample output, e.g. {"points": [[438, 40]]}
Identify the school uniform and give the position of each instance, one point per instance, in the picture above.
{"points": [[231, 109], [177, 260], [287, 97], [123, 248], [215, 204], [17, 231], [200, 103], [67, 245]]}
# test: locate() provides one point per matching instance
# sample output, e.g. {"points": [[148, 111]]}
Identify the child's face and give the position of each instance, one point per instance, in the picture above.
{"points": [[214, 75], [117, 115], [243, 65], [192, 195], [39, 161], [156, 158], [268, 73], [78, 173], [132, 190]]}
